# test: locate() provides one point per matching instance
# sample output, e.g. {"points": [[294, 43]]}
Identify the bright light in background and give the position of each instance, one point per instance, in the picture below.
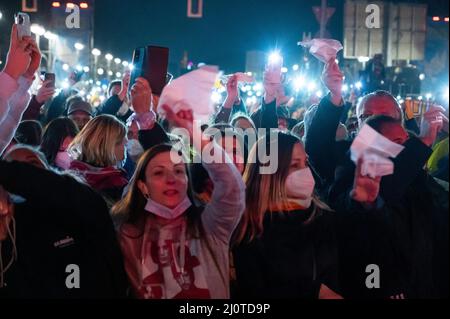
{"points": [[284, 70], [258, 87], [65, 67], [250, 93], [401, 101], [82, 92], [249, 73], [1, 15], [50, 36], [422, 77], [84, 5], [86, 69], [131, 67], [56, 4], [118, 74], [319, 94], [125, 63], [358, 85], [216, 97], [110, 73], [345, 88], [117, 61], [420, 98], [108, 56], [295, 67], [398, 97], [96, 52], [445, 95], [429, 96], [37, 29], [65, 84], [98, 82], [311, 86], [363, 59], [79, 46], [100, 71], [104, 86], [70, 5], [79, 68], [299, 82], [275, 58]]}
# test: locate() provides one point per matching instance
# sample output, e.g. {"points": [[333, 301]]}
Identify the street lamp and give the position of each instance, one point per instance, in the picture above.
{"points": [[79, 46], [109, 57], [96, 53], [117, 61]]}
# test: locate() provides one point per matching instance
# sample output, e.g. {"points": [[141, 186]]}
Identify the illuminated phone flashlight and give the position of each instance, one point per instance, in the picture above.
{"points": [[275, 58]]}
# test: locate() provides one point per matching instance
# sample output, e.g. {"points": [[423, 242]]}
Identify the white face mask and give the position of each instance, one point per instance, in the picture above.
{"points": [[165, 212], [300, 185], [63, 160], [134, 149]]}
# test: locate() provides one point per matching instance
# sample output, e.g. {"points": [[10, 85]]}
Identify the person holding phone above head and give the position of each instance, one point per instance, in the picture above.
{"points": [[271, 114], [44, 94], [117, 102], [22, 62]]}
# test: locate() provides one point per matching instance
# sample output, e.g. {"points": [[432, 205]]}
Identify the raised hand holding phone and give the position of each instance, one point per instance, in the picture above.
{"points": [[45, 92], [232, 92], [19, 56], [272, 77], [333, 79]]}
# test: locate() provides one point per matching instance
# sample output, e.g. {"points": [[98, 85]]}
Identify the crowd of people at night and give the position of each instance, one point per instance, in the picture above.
{"points": [[95, 202]]}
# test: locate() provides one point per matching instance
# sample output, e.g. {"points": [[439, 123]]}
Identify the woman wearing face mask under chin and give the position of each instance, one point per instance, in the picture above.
{"points": [[58, 135], [284, 246], [159, 217], [99, 152]]}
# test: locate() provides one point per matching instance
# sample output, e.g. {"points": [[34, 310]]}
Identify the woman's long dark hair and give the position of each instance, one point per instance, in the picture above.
{"points": [[131, 209], [54, 134]]}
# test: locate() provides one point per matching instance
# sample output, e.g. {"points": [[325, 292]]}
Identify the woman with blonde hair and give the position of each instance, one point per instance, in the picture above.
{"points": [[98, 152], [284, 246]]}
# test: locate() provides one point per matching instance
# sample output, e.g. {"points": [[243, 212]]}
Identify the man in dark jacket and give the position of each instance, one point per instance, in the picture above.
{"points": [[57, 238], [406, 238]]}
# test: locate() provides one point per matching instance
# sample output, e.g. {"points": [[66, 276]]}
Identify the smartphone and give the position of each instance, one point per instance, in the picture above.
{"points": [[22, 20], [151, 63], [50, 77]]}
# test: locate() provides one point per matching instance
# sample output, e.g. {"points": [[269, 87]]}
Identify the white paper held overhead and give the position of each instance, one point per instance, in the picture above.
{"points": [[191, 91]]}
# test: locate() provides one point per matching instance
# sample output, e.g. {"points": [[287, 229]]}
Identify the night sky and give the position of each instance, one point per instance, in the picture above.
{"points": [[227, 30]]}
